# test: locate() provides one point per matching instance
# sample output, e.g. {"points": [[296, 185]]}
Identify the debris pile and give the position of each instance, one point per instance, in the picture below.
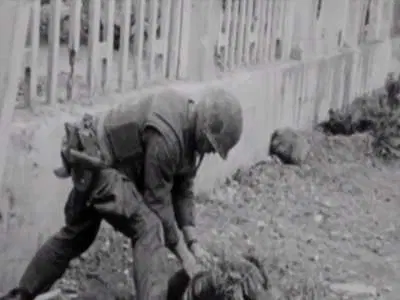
{"points": [[289, 145], [377, 114]]}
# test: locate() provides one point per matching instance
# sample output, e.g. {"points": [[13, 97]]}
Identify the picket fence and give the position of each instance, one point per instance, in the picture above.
{"points": [[161, 40]]}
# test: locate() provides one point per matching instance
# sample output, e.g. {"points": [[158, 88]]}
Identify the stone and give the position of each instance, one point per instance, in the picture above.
{"points": [[289, 146], [51, 295], [318, 218], [387, 289], [353, 289]]}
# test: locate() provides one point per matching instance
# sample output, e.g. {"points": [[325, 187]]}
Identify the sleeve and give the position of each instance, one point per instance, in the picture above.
{"points": [[183, 199], [159, 168]]}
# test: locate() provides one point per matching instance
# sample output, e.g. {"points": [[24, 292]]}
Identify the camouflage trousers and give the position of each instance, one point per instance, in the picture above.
{"points": [[115, 199]]}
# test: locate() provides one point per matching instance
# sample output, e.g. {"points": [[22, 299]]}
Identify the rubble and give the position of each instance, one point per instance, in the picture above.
{"points": [[289, 145], [377, 113], [353, 289], [51, 295]]}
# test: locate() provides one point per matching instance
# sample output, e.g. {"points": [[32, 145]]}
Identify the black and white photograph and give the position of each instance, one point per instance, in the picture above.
{"points": [[200, 150]]}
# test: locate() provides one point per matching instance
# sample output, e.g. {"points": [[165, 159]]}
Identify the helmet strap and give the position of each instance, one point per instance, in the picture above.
{"points": [[199, 161]]}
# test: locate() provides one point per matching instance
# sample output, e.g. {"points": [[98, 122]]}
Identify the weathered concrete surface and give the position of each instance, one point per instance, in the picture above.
{"points": [[14, 15]]}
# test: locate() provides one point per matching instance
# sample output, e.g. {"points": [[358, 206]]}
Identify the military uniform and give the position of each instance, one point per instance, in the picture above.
{"points": [[150, 145], [151, 149]]}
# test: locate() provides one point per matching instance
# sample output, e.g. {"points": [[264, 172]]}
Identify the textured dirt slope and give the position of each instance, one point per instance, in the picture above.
{"points": [[332, 221]]}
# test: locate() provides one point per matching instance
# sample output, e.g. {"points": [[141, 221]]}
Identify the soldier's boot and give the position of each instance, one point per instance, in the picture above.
{"points": [[17, 294]]}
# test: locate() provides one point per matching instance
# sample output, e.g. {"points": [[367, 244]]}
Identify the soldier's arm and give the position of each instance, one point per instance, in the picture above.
{"points": [[184, 203], [160, 164]]}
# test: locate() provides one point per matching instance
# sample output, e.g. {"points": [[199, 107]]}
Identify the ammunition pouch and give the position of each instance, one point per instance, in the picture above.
{"points": [[80, 154]]}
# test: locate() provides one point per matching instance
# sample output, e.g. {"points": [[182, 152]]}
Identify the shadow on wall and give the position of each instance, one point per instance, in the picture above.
{"points": [[32, 198], [396, 19]]}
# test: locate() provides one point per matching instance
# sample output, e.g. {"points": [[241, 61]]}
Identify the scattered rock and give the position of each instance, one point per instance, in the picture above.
{"points": [[353, 289], [51, 295], [289, 146], [387, 289], [318, 218], [377, 114]]}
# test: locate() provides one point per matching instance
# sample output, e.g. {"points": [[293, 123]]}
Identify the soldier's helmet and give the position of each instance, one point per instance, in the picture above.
{"points": [[221, 118]]}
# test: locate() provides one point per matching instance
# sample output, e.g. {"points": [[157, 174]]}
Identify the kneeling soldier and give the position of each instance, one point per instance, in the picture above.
{"points": [[134, 166]]}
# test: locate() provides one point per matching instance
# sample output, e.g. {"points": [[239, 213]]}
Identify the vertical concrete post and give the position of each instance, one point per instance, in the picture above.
{"points": [[343, 22], [390, 18], [14, 15], [347, 75], [354, 81], [184, 59], [306, 14], [211, 12], [54, 51]]}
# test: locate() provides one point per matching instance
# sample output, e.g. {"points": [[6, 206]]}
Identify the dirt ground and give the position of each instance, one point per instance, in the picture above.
{"points": [[327, 229]]}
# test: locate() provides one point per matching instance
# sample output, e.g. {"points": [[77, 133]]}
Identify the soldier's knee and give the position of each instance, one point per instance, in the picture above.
{"points": [[151, 230], [106, 183], [153, 224]]}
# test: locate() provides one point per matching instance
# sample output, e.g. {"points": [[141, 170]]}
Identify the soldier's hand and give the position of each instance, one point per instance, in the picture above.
{"points": [[201, 255], [190, 264]]}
